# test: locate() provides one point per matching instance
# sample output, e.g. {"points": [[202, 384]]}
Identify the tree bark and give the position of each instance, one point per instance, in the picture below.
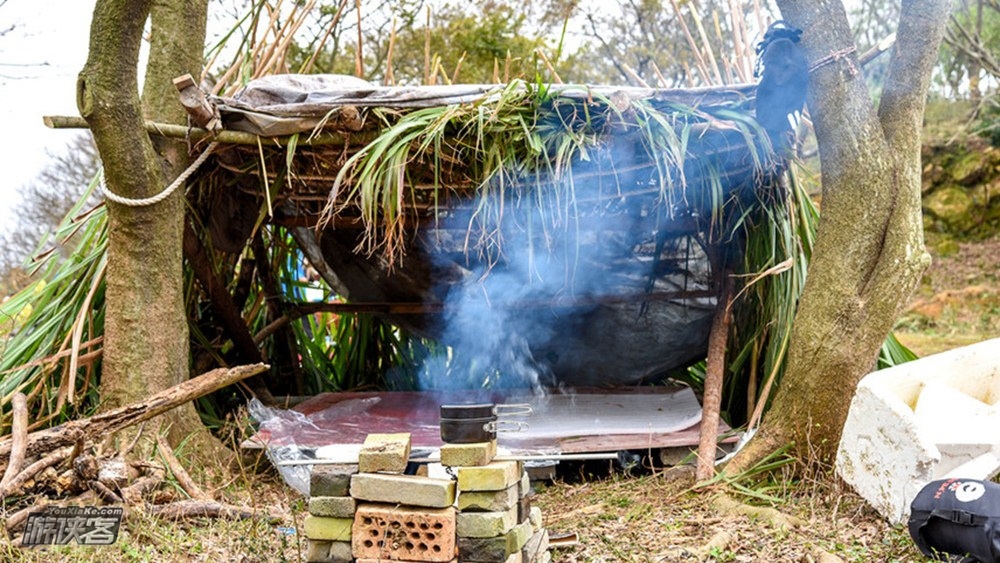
{"points": [[146, 336], [140, 352], [176, 48], [869, 252]]}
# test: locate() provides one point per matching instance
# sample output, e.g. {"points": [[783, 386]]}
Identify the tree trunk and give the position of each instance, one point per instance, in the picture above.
{"points": [[176, 48], [146, 337], [869, 252]]}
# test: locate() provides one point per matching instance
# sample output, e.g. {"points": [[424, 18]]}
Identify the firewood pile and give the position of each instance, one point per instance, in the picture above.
{"points": [[73, 465]]}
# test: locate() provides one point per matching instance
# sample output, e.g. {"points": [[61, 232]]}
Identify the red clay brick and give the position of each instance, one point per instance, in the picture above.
{"points": [[394, 533]]}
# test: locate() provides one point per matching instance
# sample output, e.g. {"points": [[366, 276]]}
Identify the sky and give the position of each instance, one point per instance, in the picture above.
{"points": [[39, 60]]}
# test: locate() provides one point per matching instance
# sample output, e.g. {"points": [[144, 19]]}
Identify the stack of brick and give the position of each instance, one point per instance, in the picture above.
{"points": [[331, 514], [496, 522], [378, 513], [373, 512]]}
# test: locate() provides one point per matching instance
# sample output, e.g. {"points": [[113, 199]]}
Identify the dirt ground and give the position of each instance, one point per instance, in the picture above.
{"points": [[645, 516]]}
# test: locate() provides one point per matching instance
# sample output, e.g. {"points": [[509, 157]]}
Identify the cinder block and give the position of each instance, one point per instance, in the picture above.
{"points": [[340, 551], [490, 550], [524, 486], [330, 529], [400, 533], [535, 516], [388, 453], [468, 455], [542, 472], [317, 551], [523, 508], [331, 480], [519, 535], [409, 490], [487, 501], [486, 524], [333, 507], [536, 546], [496, 476]]}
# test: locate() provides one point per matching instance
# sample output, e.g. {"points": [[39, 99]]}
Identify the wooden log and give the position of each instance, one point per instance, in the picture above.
{"points": [[133, 493], [104, 492], [112, 421], [30, 471], [180, 474], [17, 519], [714, 372], [299, 310], [18, 440], [222, 302], [202, 113]]}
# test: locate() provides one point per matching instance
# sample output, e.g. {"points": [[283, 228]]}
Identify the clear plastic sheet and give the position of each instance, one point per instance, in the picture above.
{"points": [[280, 423]]}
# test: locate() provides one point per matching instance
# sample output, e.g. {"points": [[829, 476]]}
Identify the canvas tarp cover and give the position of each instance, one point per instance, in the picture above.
{"points": [[285, 104]]}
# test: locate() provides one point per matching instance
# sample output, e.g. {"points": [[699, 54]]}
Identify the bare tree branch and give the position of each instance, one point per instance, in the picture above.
{"points": [[971, 46]]}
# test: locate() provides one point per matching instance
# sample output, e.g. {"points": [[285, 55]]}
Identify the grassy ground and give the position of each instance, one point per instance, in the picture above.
{"points": [[617, 517], [650, 517], [958, 302]]}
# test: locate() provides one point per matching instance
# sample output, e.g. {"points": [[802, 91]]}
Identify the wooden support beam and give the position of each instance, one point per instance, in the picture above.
{"points": [[714, 374], [218, 294], [327, 138], [299, 310]]}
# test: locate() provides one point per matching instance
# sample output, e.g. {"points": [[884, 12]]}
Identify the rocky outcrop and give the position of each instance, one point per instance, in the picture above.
{"points": [[961, 193]]}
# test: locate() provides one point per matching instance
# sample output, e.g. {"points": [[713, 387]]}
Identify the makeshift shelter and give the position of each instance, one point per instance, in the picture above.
{"points": [[569, 235]]}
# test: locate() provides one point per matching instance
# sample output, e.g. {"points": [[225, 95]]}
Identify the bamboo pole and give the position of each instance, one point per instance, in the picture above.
{"points": [[359, 58], [707, 46], [330, 138], [427, 48], [699, 60], [308, 66], [390, 79]]}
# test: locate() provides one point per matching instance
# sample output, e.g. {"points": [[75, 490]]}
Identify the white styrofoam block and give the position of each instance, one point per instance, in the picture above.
{"points": [[956, 456], [882, 453], [923, 420], [949, 416], [987, 465]]}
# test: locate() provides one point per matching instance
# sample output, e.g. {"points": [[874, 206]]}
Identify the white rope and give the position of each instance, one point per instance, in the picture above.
{"points": [[165, 193]]}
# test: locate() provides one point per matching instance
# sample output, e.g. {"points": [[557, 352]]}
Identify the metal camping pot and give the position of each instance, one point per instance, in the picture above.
{"points": [[479, 422]]}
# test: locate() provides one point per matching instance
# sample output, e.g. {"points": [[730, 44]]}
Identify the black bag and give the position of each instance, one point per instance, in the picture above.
{"points": [[957, 520]]}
